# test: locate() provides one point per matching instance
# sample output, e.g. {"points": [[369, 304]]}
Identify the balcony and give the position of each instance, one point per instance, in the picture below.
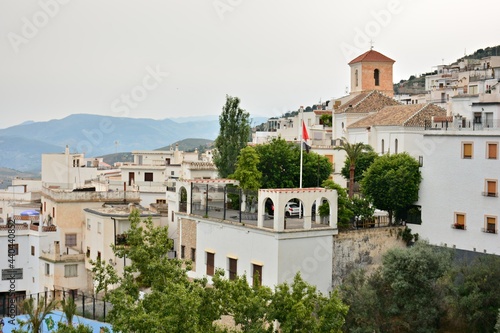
{"points": [[121, 239], [458, 226], [45, 228], [94, 196], [490, 229]]}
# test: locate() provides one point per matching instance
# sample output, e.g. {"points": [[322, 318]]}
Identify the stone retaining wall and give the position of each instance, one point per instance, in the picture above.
{"points": [[362, 248]]}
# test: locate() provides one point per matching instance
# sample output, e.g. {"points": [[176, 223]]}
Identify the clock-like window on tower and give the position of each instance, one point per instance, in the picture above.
{"points": [[376, 76]]}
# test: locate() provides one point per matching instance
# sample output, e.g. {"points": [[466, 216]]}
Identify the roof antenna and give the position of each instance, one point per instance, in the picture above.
{"points": [[371, 44]]}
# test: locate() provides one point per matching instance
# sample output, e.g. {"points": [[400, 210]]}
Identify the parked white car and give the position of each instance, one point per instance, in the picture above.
{"points": [[292, 209]]}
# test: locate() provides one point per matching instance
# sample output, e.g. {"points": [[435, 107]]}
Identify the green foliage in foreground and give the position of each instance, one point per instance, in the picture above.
{"points": [[174, 303], [420, 289]]}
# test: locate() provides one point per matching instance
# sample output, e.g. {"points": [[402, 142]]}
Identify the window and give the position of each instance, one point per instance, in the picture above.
{"points": [[47, 269], [491, 188], [492, 151], [13, 249], [89, 226], [459, 221], [88, 252], [44, 207], [98, 255], [71, 270], [491, 224], [396, 146], [193, 254], [70, 240], [32, 250], [210, 263], [257, 274], [54, 212], [148, 176], [99, 227], [232, 268], [467, 150], [376, 76], [183, 252], [356, 77], [383, 146]]}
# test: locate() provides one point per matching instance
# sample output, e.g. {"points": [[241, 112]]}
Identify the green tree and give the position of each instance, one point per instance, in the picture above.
{"points": [[277, 164], [353, 152], [36, 312], [247, 304], [280, 165], [315, 168], [103, 274], [173, 303], [299, 307], [405, 295], [344, 212], [69, 308], [233, 136], [392, 182], [66, 328], [497, 325], [362, 210], [475, 297], [326, 119], [363, 162], [246, 169], [249, 177]]}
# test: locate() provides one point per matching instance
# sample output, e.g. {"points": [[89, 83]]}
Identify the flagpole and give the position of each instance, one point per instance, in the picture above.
{"points": [[301, 143]]}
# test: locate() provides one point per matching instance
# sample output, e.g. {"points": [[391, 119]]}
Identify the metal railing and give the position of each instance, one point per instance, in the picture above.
{"points": [[87, 306]]}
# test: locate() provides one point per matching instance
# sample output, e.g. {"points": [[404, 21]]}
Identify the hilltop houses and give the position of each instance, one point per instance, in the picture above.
{"points": [[81, 205]]}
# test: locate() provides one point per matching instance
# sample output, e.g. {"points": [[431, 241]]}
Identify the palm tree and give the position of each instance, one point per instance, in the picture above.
{"points": [[69, 309], [353, 151], [36, 313]]}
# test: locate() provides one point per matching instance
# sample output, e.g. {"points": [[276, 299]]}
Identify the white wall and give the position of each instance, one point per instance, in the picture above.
{"points": [[451, 184], [282, 255]]}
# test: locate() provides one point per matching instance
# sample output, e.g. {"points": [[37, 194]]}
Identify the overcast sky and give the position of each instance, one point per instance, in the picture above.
{"points": [[171, 58]]}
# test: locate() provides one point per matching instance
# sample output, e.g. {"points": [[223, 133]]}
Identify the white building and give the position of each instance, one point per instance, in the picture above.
{"points": [[274, 247], [459, 190], [106, 226]]}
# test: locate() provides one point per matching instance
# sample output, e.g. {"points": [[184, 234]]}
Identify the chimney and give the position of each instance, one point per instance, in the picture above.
{"points": [[131, 207], [57, 248]]}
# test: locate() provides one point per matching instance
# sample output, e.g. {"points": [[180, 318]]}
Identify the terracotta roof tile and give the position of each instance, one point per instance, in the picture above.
{"points": [[366, 102], [371, 56], [322, 112], [413, 115]]}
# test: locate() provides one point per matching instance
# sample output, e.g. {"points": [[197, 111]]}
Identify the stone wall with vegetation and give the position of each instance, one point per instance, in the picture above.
{"points": [[362, 248]]}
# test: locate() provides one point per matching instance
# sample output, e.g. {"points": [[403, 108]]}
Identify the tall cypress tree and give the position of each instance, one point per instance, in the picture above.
{"points": [[233, 136]]}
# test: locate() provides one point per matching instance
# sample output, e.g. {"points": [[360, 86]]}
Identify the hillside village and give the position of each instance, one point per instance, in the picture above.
{"points": [[81, 205]]}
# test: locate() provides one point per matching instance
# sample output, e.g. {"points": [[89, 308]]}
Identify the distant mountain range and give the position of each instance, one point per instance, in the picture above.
{"points": [[21, 146]]}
